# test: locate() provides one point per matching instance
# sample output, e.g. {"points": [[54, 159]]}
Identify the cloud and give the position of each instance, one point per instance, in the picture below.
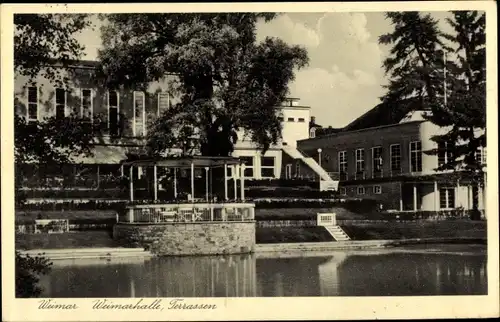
{"points": [[344, 77], [289, 31]]}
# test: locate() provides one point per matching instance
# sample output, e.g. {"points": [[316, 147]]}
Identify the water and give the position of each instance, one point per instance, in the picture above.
{"points": [[419, 270]]}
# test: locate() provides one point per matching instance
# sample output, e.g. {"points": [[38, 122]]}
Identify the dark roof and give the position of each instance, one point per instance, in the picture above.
{"points": [[383, 114]]}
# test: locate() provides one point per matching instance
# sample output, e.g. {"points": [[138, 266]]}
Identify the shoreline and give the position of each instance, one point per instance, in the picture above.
{"points": [[281, 249]]}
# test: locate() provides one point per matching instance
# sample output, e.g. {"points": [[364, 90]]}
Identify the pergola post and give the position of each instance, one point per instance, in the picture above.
{"points": [[175, 183], [235, 186], [155, 182], [436, 196], [225, 181], [414, 197], [192, 180], [242, 181], [131, 183], [206, 183]]}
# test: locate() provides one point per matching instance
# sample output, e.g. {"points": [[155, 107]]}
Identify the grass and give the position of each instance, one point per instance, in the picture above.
{"points": [[292, 235], [84, 239], [422, 229]]}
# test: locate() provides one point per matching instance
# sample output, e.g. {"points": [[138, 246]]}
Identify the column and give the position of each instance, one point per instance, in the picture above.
{"points": [[415, 197], [175, 183], [155, 182], [436, 196], [206, 183], [225, 181], [192, 180], [98, 181], [236, 169], [242, 181], [131, 183]]}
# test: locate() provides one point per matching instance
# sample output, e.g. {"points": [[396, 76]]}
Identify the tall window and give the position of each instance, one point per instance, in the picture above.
{"points": [[377, 159], [445, 154], [32, 104], [415, 156], [86, 104], [267, 167], [113, 112], [361, 190], [447, 198], [163, 102], [360, 160], [139, 114], [297, 169], [312, 133], [395, 157], [248, 166], [288, 171], [343, 161], [60, 103], [481, 156]]}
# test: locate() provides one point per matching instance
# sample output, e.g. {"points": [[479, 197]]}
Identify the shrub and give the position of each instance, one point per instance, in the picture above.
{"points": [[28, 270]]}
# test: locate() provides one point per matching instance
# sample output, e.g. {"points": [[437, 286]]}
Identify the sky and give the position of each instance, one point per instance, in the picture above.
{"points": [[344, 78]]}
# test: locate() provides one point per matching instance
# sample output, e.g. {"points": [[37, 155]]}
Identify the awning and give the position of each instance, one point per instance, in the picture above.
{"points": [[185, 162]]}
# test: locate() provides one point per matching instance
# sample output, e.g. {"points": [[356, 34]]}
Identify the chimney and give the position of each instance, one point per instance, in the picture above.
{"points": [[313, 119]]}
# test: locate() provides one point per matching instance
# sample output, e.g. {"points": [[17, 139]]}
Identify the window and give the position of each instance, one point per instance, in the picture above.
{"points": [[288, 171], [377, 190], [163, 102], [301, 119], [291, 119], [342, 191], [360, 160], [297, 169], [395, 151], [312, 132], [113, 112], [60, 103], [86, 104], [139, 114], [343, 161], [415, 156], [377, 159], [445, 155], [361, 190], [447, 198], [481, 156], [267, 167], [32, 104], [248, 166]]}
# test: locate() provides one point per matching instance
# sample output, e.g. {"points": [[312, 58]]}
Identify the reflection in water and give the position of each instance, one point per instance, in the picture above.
{"points": [[382, 273]]}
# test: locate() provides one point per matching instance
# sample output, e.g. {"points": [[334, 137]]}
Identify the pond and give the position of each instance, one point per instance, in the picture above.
{"points": [[417, 270]]}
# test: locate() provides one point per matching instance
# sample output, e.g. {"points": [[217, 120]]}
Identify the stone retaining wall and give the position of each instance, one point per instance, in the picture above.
{"points": [[207, 238]]}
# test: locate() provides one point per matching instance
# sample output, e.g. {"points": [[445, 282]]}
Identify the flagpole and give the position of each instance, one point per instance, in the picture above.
{"points": [[444, 72]]}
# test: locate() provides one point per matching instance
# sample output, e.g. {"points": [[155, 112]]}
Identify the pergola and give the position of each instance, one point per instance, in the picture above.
{"points": [[191, 162]]}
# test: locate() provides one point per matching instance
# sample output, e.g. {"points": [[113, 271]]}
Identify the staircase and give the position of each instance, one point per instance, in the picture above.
{"points": [[311, 163], [337, 233]]}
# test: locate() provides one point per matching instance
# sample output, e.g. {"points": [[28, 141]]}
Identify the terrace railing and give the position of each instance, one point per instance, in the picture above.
{"points": [[189, 212]]}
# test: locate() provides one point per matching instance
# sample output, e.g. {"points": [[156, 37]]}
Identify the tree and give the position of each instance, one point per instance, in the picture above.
{"points": [[417, 68], [44, 45], [40, 40], [225, 80]]}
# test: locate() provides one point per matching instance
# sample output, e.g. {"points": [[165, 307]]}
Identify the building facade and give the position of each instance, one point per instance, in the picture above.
{"points": [[392, 164], [124, 118]]}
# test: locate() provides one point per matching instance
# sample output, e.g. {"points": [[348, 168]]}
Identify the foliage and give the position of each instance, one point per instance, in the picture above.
{"points": [[226, 82], [28, 270], [42, 39]]}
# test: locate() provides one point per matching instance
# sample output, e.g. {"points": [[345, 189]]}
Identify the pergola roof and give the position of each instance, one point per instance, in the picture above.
{"points": [[185, 162]]}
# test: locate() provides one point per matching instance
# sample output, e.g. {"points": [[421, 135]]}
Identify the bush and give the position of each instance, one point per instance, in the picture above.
{"points": [[28, 270]]}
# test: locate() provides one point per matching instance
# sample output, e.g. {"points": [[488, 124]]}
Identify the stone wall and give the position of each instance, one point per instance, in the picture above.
{"points": [[188, 238]]}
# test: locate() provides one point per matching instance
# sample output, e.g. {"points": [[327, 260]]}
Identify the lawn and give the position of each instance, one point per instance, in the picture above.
{"points": [[420, 229], [83, 239]]}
